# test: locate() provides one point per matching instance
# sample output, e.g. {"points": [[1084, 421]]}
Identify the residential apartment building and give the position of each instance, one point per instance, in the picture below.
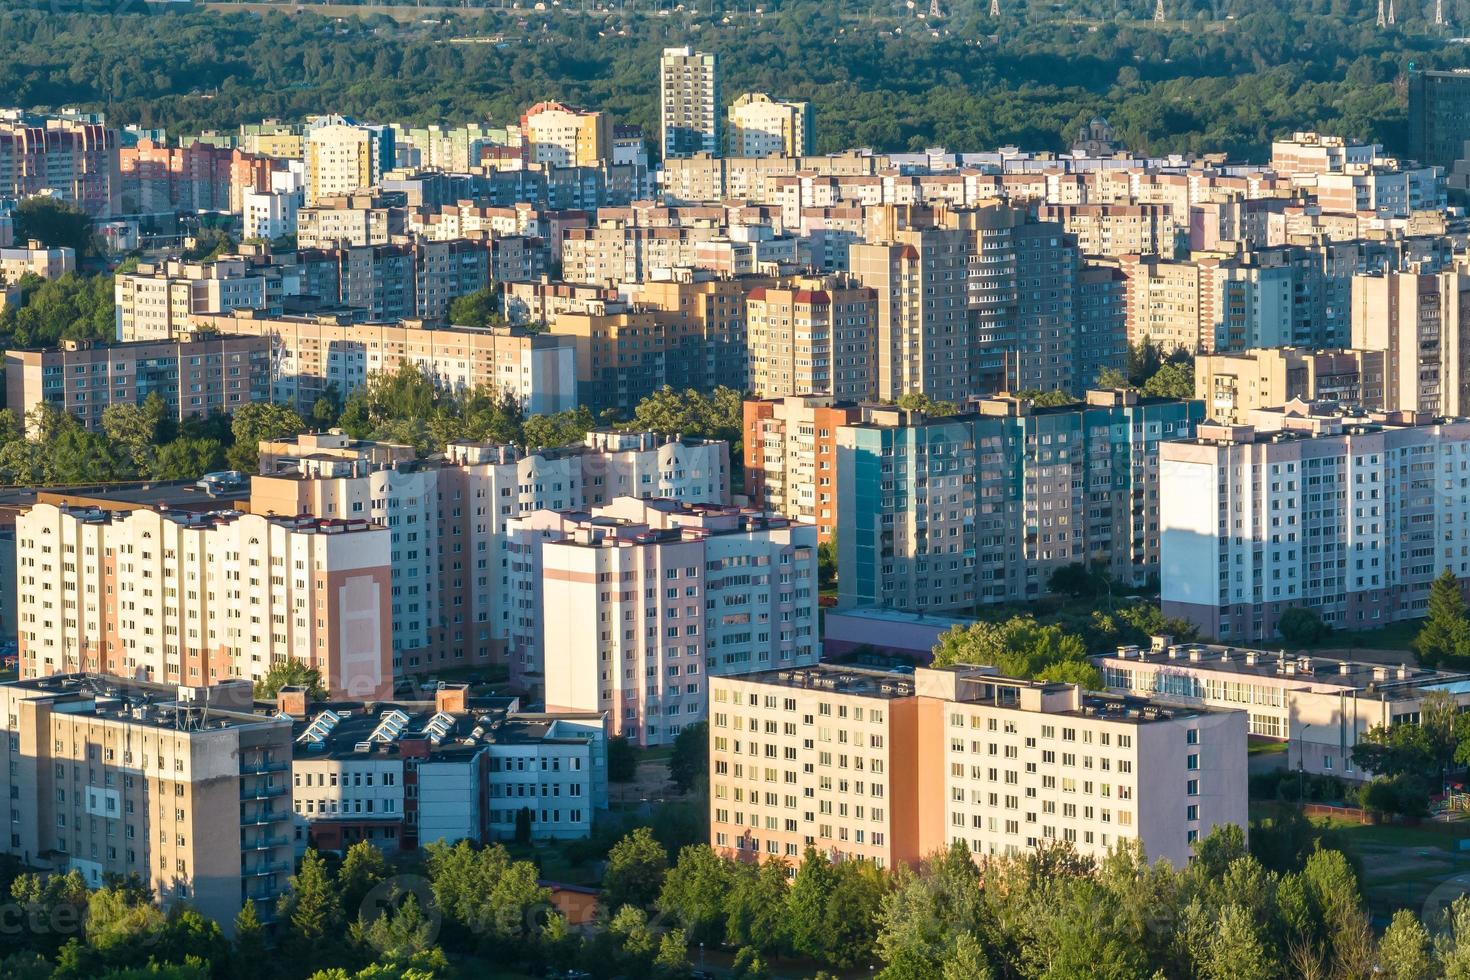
{"points": [[1121, 229], [813, 335], [759, 126], [1439, 115], [342, 157], [402, 774], [179, 786], [983, 507], [72, 158], [1233, 386], [628, 610], [1208, 304], [566, 136], [1349, 515], [362, 218], [313, 352], [195, 375], [1422, 324], [1319, 706], [161, 179], [689, 103], [156, 301], [194, 598], [791, 456], [448, 517], [37, 260], [1101, 308], [893, 768], [970, 301], [708, 314]]}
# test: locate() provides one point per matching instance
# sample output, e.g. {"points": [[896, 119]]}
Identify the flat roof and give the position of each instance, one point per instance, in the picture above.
{"points": [[1302, 668], [136, 702]]}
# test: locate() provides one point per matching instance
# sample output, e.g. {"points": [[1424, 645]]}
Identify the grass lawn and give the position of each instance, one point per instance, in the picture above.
{"points": [[1265, 746]]}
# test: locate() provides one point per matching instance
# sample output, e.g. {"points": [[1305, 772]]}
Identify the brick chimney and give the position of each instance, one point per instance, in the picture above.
{"points": [[291, 700], [452, 699]]}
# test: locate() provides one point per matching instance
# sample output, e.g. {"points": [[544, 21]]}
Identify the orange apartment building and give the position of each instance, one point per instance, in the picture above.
{"points": [[791, 456], [891, 768]]}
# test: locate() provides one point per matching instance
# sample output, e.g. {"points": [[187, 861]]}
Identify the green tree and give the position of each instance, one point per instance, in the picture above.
{"points": [[478, 309], [256, 422], [917, 401], [250, 957], [523, 826], [635, 870], [749, 965], [55, 224], [399, 933], [485, 897], [363, 869], [311, 911], [1235, 951], [827, 562], [1444, 639], [1018, 647], [806, 904], [290, 673], [135, 428], [1302, 626], [695, 891], [689, 761], [1393, 750], [1404, 952], [622, 765], [1052, 398], [560, 428], [1144, 361], [756, 905], [672, 960], [187, 459], [1110, 377], [1170, 381]]}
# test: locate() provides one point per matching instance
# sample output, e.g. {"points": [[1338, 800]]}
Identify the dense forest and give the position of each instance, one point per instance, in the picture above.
{"points": [[1221, 76]]}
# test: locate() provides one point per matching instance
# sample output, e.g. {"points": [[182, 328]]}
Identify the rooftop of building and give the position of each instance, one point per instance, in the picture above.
{"points": [[212, 492], [1302, 669], [1007, 405], [1302, 420], [854, 681], [183, 708], [364, 730], [208, 519]]}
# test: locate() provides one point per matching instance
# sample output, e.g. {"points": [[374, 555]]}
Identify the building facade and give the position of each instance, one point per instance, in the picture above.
{"points": [[631, 609], [759, 126], [1233, 386], [194, 598], [195, 375], [181, 786], [689, 103], [791, 457], [983, 507], [1351, 516], [893, 768]]}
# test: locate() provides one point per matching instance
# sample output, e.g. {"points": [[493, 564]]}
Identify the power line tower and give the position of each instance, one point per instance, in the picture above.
{"points": [[995, 8], [1391, 20], [1159, 11], [1382, 18], [1438, 13], [934, 11]]}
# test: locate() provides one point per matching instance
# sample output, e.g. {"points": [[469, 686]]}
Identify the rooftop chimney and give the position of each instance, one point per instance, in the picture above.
{"points": [[452, 699], [291, 700]]}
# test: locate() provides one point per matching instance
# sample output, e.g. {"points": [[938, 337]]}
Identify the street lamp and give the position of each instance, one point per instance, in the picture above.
{"points": [[1301, 763]]}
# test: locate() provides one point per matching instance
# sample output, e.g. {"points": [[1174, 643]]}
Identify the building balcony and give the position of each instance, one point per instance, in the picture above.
{"points": [[265, 843], [260, 768], [264, 868], [262, 792], [263, 818]]}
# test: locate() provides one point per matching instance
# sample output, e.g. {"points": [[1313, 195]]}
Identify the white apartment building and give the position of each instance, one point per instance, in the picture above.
{"points": [[448, 518], [759, 126], [194, 598], [402, 497], [626, 610], [154, 302], [689, 100], [893, 768], [342, 157], [1352, 516]]}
